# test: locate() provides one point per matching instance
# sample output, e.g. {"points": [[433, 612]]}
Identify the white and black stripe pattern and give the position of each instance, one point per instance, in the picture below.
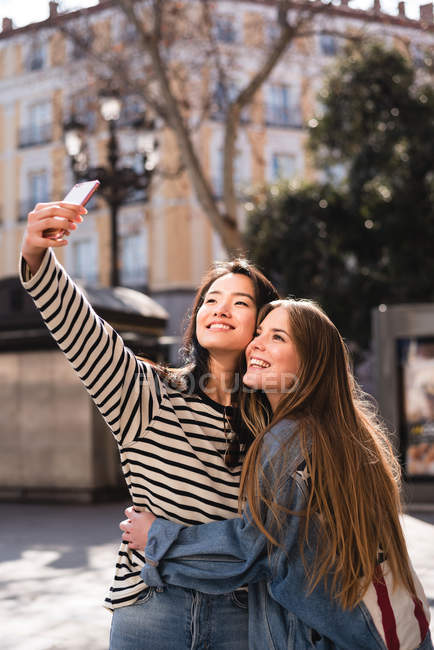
{"points": [[171, 445]]}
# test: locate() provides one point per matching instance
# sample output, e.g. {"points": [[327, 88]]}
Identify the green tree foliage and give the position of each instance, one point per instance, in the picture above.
{"points": [[368, 239]]}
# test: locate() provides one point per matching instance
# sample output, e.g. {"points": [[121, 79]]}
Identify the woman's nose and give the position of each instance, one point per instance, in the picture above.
{"points": [[258, 342], [222, 309]]}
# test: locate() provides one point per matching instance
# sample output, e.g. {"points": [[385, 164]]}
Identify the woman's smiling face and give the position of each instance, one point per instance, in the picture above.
{"points": [[272, 358], [225, 323]]}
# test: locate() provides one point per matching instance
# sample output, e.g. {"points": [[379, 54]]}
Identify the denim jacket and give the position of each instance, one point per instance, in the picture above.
{"points": [[283, 614]]}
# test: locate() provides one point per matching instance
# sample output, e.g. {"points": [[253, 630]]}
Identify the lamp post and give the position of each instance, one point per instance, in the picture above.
{"points": [[118, 183]]}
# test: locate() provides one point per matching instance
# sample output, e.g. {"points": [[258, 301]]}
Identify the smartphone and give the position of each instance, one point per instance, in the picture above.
{"points": [[79, 195]]}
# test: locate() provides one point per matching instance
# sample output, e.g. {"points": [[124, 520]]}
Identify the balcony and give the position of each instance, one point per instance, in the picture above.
{"points": [[283, 117], [35, 62], [35, 135]]}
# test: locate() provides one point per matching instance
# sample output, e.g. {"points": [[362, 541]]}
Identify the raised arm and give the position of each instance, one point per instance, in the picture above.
{"points": [[126, 391]]}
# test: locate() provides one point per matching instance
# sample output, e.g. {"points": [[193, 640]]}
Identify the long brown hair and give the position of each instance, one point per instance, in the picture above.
{"points": [[354, 474]]}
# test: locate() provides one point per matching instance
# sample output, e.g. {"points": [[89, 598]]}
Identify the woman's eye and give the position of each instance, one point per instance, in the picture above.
{"points": [[209, 300], [241, 302], [277, 337]]}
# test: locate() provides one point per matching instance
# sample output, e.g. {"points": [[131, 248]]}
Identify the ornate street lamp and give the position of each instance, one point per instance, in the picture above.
{"points": [[118, 183]]}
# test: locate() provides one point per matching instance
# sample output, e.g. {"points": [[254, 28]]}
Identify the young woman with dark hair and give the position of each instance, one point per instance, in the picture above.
{"points": [[180, 438], [320, 542]]}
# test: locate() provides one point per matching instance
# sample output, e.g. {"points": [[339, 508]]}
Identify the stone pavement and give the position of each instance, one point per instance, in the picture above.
{"points": [[56, 563]]}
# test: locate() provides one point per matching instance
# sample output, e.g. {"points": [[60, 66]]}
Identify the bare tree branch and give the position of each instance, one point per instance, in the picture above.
{"points": [[224, 224], [183, 59], [245, 96]]}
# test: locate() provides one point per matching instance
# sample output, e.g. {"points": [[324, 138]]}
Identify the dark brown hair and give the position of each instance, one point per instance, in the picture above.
{"points": [[196, 358]]}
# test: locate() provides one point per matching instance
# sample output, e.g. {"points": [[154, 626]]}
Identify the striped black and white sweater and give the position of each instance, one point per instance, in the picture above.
{"points": [[171, 444]]}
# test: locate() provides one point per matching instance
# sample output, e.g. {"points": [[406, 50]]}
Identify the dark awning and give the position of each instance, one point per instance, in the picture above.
{"points": [[133, 314]]}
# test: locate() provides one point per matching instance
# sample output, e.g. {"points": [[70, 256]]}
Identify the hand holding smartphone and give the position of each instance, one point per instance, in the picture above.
{"points": [[78, 195]]}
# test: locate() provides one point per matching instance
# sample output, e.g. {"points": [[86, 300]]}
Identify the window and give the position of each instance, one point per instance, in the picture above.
{"points": [[38, 130], [225, 29], [38, 187], [82, 108], [130, 33], [336, 173], [283, 107], [223, 95], [37, 192], [132, 109], [36, 57], [85, 260], [328, 45], [283, 166], [419, 56], [81, 40], [134, 259], [273, 31]]}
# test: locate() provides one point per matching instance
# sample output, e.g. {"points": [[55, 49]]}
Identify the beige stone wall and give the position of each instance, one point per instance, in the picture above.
{"points": [[179, 245], [16, 125], [48, 430], [257, 108], [19, 234], [253, 29], [3, 239], [58, 181], [102, 34], [2, 63], [2, 131], [175, 196], [18, 60], [17, 162], [58, 115], [257, 140], [57, 49], [2, 190]]}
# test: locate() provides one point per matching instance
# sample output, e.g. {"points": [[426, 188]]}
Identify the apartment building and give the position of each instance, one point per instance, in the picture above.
{"points": [[166, 242]]}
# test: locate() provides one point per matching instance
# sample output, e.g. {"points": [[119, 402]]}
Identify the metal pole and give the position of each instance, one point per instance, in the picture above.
{"points": [[113, 156], [114, 268]]}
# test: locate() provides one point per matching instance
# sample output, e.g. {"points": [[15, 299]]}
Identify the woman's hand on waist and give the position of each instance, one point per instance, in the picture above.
{"points": [[136, 527]]}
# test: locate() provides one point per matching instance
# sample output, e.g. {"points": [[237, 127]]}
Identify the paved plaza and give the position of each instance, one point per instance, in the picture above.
{"points": [[57, 561]]}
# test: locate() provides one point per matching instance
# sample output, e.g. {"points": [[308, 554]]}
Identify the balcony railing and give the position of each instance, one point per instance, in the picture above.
{"points": [[282, 116], [34, 135]]}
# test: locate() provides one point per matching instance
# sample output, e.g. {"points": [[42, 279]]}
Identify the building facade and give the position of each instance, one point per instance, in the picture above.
{"points": [[167, 242]]}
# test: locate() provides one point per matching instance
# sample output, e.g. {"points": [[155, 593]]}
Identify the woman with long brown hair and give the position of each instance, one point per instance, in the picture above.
{"points": [[180, 439], [320, 542]]}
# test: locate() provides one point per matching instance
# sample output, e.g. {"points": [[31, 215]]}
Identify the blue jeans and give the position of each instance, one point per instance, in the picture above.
{"points": [[173, 618]]}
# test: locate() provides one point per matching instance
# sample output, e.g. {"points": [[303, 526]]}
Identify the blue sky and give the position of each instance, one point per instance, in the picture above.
{"points": [[26, 11]]}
